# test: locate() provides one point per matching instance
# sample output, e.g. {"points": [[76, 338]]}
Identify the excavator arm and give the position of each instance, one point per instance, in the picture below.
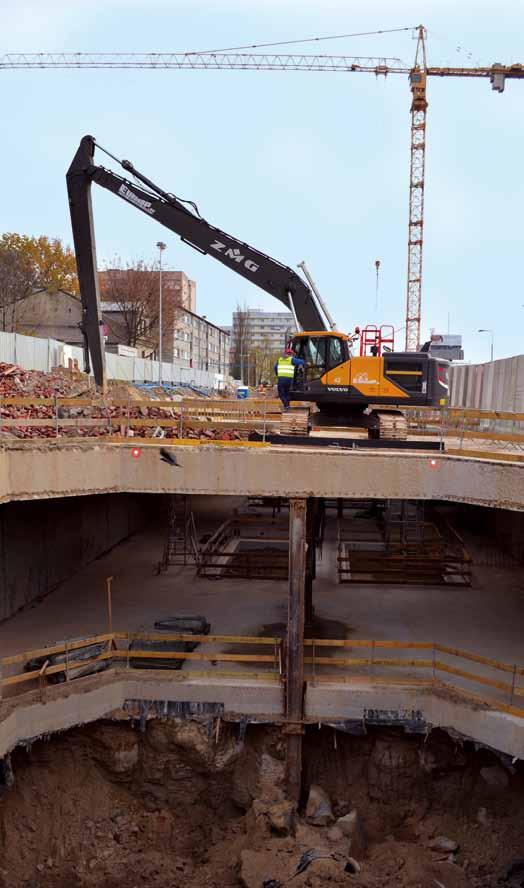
{"points": [[263, 271]]}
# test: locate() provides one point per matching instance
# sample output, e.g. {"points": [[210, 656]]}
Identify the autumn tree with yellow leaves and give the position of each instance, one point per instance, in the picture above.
{"points": [[32, 263]]}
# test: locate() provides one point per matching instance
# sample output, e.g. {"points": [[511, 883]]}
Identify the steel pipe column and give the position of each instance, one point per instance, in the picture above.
{"points": [[295, 646]]}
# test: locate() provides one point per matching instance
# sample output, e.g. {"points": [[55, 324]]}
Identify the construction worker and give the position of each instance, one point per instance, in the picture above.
{"points": [[285, 371]]}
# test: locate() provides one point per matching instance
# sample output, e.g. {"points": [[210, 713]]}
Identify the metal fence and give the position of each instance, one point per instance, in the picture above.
{"points": [[32, 353]]}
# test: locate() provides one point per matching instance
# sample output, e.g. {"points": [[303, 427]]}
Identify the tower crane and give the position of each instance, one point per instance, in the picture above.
{"points": [[418, 74]]}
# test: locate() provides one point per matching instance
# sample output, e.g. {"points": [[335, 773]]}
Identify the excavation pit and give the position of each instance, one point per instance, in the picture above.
{"points": [[199, 802]]}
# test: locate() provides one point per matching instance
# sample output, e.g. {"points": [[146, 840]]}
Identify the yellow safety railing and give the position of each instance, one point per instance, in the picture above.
{"points": [[114, 420], [462, 425], [120, 648], [432, 667], [439, 666]]}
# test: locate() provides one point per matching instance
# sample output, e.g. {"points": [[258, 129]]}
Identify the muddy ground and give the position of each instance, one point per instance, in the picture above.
{"points": [[170, 806]]}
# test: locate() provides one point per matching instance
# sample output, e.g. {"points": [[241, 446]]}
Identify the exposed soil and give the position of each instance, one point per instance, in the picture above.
{"points": [[172, 806]]}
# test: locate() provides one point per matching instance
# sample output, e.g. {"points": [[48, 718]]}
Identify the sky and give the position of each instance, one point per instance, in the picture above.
{"points": [[302, 165]]}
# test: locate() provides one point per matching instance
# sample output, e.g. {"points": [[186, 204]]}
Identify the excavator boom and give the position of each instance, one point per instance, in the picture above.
{"points": [[270, 275]]}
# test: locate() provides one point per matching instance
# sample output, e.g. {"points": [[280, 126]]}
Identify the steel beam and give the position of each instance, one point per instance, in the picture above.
{"points": [[311, 561], [295, 645]]}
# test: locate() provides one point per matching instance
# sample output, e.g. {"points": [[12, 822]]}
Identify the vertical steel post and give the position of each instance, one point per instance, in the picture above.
{"points": [[109, 580], [310, 560], [295, 646]]}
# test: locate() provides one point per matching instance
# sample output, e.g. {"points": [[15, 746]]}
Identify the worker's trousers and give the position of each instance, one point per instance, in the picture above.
{"points": [[284, 386]]}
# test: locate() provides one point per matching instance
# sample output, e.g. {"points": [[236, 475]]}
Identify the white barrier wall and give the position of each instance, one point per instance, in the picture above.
{"points": [[44, 354], [497, 385]]}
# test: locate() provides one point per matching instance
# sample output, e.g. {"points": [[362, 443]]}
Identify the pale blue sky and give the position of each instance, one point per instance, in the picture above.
{"points": [[301, 165]]}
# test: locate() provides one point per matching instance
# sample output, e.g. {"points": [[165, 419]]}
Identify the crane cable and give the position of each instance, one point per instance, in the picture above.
{"points": [[303, 40]]}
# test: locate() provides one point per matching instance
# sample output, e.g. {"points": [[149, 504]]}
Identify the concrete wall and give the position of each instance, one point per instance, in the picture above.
{"points": [[497, 385], [117, 692], [44, 542], [509, 529]]}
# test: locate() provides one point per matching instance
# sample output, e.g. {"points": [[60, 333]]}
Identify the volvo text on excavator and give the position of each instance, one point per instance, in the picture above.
{"points": [[363, 389]]}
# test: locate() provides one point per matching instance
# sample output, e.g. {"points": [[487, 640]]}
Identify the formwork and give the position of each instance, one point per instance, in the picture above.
{"points": [[248, 546], [397, 542]]}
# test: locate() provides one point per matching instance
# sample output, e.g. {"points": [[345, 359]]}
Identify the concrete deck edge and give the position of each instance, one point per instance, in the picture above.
{"points": [[73, 470], [87, 700]]}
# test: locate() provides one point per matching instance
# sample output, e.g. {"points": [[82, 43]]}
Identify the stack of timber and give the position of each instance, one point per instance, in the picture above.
{"points": [[392, 425]]}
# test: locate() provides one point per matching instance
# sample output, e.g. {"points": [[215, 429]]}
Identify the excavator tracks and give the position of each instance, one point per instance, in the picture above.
{"points": [[392, 426]]}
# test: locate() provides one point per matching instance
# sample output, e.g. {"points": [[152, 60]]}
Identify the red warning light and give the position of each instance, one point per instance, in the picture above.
{"points": [[135, 453], [433, 463]]}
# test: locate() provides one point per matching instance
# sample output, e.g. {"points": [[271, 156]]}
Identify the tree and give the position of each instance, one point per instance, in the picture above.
{"points": [[54, 266], [32, 263], [17, 281], [262, 360], [241, 344], [132, 290]]}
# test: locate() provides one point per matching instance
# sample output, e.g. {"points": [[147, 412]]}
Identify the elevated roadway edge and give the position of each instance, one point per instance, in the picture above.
{"points": [[44, 470]]}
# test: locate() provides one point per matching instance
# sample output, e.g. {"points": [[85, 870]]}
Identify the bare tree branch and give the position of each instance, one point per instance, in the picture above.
{"points": [[133, 291]]}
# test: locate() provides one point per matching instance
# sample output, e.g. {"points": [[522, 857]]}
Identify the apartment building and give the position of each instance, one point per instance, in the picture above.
{"points": [[199, 344], [267, 330]]}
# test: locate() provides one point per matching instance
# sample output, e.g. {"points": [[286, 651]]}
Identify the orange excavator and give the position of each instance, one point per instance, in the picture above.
{"points": [[352, 389]]}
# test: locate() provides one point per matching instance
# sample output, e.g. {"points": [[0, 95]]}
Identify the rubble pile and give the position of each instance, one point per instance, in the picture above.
{"points": [[15, 382], [102, 420]]}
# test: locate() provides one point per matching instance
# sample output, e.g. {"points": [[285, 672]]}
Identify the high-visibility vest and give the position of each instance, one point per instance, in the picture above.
{"points": [[285, 368]]}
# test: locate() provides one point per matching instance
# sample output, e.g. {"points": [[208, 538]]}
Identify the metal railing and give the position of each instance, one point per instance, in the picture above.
{"points": [[428, 670], [441, 667]]}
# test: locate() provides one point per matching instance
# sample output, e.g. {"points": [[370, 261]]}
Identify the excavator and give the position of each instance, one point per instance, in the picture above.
{"points": [[363, 390]]}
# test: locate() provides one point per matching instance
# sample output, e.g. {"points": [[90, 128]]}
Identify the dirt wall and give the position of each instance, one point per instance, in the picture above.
{"points": [[43, 542], [198, 804]]}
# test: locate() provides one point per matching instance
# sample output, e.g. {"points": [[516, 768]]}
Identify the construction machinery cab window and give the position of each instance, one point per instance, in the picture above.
{"points": [[320, 353]]}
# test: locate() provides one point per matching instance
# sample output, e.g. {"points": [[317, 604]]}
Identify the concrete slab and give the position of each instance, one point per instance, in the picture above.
{"points": [[485, 619], [60, 469], [105, 696]]}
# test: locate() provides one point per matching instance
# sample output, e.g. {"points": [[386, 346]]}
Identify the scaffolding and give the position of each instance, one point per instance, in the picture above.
{"points": [[395, 542], [181, 545]]}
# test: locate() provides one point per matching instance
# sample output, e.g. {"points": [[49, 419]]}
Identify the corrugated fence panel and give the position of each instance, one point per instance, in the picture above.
{"points": [[497, 385], [32, 353], [7, 348]]}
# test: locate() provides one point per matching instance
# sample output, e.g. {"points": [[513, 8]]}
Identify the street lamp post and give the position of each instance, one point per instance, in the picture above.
{"points": [[483, 330], [161, 247]]}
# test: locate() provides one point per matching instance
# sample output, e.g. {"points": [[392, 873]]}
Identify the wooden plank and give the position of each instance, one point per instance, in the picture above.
{"points": [[26, 402], [216, 675], [477, 658], [36, 421], [227, 639], [471, 413], [172, 442], [470, 676], [404, 681], [22, 677], [241, 404], [189, 423], [486, 454], [58, 648], [193, 655], [367, 661], [490, 436], [352, 642]]}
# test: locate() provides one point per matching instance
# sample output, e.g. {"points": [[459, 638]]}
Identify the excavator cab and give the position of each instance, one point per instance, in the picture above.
{"points": [[321, 351]]}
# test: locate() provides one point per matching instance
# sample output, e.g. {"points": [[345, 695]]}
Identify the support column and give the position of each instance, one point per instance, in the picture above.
{"points": [[311, 565], [295, 646]]}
